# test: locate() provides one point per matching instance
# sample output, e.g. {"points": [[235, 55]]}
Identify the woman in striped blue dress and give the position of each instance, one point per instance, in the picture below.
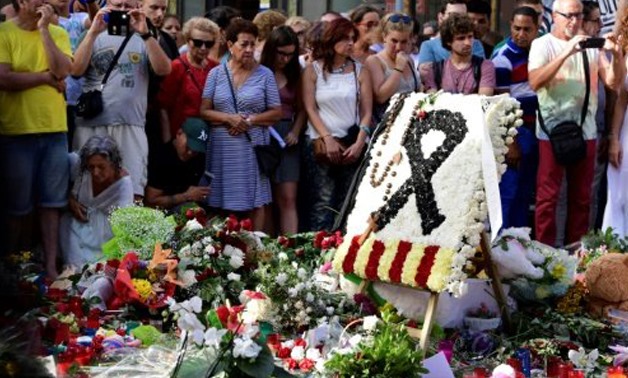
{"points": [[240, 99]]}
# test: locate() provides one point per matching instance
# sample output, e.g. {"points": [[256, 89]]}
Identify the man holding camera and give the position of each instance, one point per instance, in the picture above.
{"points": [[124, 95], [557, 73], [35, 57]]}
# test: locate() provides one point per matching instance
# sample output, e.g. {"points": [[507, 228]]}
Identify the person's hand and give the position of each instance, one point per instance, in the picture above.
{"points": [[612, 44], [615, 154], [98, 23], [333, 149], [401, 61], [291, 138], [197, 193], [46, 14], [237, 124], [573, 46], [78, 210], [58, 84], [353, 153], [513, 156], [138, 21]]}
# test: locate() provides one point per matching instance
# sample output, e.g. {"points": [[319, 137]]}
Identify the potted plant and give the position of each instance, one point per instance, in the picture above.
{"points": [[482, 319]]}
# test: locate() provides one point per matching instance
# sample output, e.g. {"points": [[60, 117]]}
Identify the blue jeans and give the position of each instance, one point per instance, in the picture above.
{"points": [[517, 184], [326, 189], [34, 169]]}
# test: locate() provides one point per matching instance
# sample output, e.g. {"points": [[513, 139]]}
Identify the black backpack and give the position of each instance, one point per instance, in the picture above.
{"points": [[476, 62]]}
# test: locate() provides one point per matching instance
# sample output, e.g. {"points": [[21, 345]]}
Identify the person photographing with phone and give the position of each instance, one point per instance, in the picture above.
{"points": [[564, 75], [115, 58], [175, 171]]}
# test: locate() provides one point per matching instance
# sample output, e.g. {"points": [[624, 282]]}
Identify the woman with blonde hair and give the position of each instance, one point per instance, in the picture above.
{"points": [[266, 22], [181, 91], [299, 26], [391, 69]]}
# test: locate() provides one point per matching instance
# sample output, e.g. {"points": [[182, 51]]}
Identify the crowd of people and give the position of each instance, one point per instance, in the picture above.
{"points": [[269, 118]]}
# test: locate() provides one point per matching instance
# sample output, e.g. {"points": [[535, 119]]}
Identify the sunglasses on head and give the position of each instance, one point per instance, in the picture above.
{"points": [[395, 18], [199, 42]]}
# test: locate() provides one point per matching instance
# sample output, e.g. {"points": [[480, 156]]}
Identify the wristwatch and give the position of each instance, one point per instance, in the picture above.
{"points": [[146, 35]]}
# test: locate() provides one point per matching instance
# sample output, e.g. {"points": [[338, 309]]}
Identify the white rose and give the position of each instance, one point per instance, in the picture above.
{"points": [[302, 274], [370, 322], [236, 261], [233, 277], [298, 353], [192, 225], [282, 256], [309, 297], [281, 279], [313, 354], [209, 249], [245, 348]]}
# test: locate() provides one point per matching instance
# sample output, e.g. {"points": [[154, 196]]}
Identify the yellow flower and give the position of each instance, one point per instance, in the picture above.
{"points": [[143, 287], [542, 292], [558, 271]]}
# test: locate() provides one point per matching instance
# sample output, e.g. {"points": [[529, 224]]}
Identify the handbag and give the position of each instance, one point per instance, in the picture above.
{"points": [[319, 149], [566, 138], [268, 155], [90, 103]]}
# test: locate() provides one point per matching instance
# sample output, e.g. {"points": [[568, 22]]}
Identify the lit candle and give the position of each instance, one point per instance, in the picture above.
{"points": [[615, 372]]}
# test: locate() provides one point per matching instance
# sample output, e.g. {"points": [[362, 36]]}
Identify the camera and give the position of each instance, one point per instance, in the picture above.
{"points": [[592, 43], [118, 23]]}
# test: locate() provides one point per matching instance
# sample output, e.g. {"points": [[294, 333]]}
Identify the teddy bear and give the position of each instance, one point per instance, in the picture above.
{"points": [[607, 281], [514, 257]]}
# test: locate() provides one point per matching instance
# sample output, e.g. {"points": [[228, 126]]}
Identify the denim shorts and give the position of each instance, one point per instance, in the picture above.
{"points": [[34, 170]]}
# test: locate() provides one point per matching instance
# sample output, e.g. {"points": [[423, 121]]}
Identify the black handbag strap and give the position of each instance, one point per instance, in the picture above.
{"points": [[115, 58], [233, 97], [585, 105]]}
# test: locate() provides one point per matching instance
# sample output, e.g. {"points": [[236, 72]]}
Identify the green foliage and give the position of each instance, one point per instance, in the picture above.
{"points": [[388, 352], [148, 334], [611, 241]]}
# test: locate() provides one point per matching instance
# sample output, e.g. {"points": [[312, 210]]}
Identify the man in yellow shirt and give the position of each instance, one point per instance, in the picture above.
{"points": [[35, 57]]}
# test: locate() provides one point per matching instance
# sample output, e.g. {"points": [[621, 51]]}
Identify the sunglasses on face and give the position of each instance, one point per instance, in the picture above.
{"points": [[395, 18], [370, 24], [199, 42]]}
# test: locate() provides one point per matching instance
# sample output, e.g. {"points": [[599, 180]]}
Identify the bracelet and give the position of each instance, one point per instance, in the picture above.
{"points": [[366, 129], [398, 70]]}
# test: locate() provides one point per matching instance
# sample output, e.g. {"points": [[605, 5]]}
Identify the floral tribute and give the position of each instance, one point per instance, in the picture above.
{"points": [[420, 206]]}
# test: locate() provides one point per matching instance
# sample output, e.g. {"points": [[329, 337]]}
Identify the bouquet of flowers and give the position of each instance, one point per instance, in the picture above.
{"points": [[598, 243], [298, 302], [137, 229]]}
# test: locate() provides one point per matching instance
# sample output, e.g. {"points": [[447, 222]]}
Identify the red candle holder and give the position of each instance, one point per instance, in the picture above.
{"points": [[564, 369], [515, 363]]}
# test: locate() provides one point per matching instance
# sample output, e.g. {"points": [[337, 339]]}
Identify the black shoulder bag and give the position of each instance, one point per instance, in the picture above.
{"points": [[268, 155], [567, 139], [90, 103]]}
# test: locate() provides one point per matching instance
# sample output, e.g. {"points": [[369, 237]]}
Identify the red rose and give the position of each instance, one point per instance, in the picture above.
{"points": [[300, 342], [247, 225], [63, 308], [121, 331], [189, 214], [283, 241], [327, 243], [422, 114], [99, 267], [306, 365], [273, 340], [232, 224], [291, 363], [299, 252], [318, 238], [283, 352]]}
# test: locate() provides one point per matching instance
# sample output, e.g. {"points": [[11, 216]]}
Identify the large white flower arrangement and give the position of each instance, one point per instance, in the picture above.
{"points": [[458, 188]]}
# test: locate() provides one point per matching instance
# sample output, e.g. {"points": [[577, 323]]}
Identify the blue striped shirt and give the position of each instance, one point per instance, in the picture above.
{"points": [[238, 184]]}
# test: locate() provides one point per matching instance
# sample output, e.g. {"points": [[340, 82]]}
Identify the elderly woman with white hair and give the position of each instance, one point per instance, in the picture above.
{"points": [[100, 186]]}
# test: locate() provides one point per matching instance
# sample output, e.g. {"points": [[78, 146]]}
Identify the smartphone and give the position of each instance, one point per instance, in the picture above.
{"points": [[206, 179], [592, 43], [118, 23]]}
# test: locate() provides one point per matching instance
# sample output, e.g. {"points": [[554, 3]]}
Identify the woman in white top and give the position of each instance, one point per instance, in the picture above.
{"points": [[337, 96], [391, 69]]}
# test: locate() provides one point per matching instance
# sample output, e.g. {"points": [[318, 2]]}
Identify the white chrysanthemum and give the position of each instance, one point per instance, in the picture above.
{"points": [[281, 279]]}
